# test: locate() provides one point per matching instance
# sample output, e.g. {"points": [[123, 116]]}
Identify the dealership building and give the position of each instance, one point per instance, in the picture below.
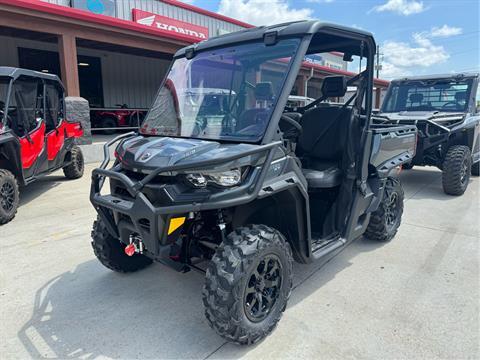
{"points": [[115, 52]]}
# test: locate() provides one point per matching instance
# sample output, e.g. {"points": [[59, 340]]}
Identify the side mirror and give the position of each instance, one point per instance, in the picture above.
{"points": [[334, 86], [77, 109]]}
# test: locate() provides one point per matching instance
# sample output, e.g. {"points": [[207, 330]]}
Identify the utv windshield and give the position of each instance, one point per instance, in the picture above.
{"points": [[447, 95], [223, 94]]}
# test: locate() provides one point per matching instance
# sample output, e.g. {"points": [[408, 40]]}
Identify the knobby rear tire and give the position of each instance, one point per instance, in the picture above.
{"points": [[380, 228], [9, 196], [75, 169]]}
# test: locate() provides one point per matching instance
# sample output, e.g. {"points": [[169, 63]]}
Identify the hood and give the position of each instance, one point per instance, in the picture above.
{"points": [[421, 115], [145, 154]]}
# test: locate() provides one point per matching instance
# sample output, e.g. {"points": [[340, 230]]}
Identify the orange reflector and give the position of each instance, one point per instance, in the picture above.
{"points": [[175, 223]]}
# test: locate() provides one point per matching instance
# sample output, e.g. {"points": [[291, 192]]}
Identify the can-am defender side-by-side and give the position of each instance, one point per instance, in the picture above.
{"points": [[443, 108], [245, 194], [35, 138]]}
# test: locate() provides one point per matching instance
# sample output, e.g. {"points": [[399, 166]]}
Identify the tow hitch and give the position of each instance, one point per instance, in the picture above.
{"points": [[135, 246]]}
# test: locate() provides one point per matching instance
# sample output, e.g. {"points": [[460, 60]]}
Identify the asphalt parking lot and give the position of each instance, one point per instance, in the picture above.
{"points": [[415, 297]]}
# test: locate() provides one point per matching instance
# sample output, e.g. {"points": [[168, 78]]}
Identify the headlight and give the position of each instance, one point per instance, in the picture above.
{"points": [[225, 178], [197, 180]]}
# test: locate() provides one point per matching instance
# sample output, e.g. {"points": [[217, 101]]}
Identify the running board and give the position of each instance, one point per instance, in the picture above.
{"points": [[325, 249]]}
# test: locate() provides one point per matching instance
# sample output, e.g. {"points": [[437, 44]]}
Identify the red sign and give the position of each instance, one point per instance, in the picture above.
{"points": [[195, 32]]}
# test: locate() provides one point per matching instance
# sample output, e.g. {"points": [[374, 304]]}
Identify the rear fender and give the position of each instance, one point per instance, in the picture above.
{"points": [[73, 129], [392, 147], [10, 157]]}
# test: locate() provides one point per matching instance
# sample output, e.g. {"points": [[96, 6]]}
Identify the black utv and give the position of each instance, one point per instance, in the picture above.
{"points": [[444, 110], [241, 195]]}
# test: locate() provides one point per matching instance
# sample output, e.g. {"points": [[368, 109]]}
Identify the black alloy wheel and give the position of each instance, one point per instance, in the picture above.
{"points": [[385, 221], [392, 210], [7, 197], [263, 288], [465, 172]]}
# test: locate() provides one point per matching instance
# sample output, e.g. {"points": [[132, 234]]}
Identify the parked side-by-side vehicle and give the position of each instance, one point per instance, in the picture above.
{"points": [[240, 194], [35, 137], [443, 108]]}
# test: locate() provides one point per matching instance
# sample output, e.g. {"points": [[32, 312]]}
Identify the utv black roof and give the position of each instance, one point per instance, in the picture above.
{"points": [[289, 29], [454, 76], [14, 73]]}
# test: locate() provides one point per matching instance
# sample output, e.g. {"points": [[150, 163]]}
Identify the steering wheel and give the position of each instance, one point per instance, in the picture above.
{"points": [[229, 122], [200, 125], [292, 130], [450, 104]]}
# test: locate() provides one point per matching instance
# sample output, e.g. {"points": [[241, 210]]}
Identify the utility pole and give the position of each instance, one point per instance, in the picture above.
{"points": [[378, 65]]}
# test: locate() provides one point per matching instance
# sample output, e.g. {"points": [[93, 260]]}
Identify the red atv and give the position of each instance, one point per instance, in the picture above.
{"points": [[35, 138], [110, 119]]}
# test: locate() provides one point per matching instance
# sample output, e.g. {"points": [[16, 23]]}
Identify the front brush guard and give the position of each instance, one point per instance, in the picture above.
{"points": [[141, 208]]}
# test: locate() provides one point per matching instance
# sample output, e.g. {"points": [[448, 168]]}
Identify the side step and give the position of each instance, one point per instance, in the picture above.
{"points": [[321, 247]]}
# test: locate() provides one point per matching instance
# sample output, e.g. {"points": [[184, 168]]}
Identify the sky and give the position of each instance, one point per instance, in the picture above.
{"points": [[416, 37]]}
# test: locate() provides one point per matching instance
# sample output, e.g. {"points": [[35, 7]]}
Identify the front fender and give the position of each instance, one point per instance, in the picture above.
{"points": [[10, 157]]}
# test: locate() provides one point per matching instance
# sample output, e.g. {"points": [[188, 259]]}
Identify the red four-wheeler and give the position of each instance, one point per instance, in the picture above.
{"points": [[110, 119], [35, 138]]}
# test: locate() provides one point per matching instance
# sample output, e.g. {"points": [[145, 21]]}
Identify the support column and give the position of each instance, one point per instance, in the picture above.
{"points": [[67, 49], [300, 84], [378, 96]]}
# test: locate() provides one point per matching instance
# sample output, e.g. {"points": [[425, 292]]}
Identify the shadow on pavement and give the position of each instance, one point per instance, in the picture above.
{"points": [[155, 313], [37, 188]]}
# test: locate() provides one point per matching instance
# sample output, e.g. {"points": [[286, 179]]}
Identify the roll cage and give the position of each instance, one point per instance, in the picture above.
{"points": [[12, 74]]}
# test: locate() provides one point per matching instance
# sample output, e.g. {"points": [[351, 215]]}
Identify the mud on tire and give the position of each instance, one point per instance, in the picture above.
{"points": [[456, 170], [110, 251], [233, 306], [385, 221], [9, 196], [77, 166]]}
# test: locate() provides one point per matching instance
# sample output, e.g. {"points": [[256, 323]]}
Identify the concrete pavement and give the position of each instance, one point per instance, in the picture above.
{"points": [[415, 297]]}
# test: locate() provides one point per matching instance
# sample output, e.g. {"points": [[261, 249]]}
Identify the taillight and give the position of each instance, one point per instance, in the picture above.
{"points": [[2, 128]]}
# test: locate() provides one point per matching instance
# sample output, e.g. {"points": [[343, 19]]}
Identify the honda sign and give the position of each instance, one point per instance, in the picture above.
{"points": [[195, 32]]}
